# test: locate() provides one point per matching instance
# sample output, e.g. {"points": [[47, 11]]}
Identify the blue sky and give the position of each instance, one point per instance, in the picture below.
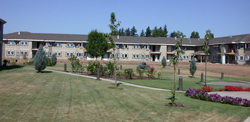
{"points": [[222, 17]]}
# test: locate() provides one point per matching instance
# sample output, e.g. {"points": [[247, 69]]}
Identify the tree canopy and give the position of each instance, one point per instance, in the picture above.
{"points": [[177, 34], [142, 33], [40, 60], [195, 34], [97, 44], [148, 32], [133, 31]]}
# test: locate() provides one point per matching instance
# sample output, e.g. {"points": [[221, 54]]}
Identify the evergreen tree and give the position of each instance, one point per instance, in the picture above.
{"points": [[133, 31], [155, 32], [193, 66], [40, 60], [48, 61], [177, 34], [142, 33], [122, 32], [195, 35], [53, 60], [97, 44], [165, 30], [173, 34], [148, 32], [164, 62], [127, 31]]}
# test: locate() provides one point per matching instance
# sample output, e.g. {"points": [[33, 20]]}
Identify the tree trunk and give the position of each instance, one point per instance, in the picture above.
{"points": [[206, 72]]}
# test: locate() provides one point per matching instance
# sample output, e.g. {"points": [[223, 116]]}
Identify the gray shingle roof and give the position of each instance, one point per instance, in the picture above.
{"points": [[127, 39]]}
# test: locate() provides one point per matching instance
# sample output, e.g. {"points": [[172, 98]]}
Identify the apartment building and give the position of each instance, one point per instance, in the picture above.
{"points": [[2, 22], [18, 44]]}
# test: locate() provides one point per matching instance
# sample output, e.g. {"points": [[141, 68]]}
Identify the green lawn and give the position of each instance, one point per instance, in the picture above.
{"points": [[168, 78], [30, 96]]}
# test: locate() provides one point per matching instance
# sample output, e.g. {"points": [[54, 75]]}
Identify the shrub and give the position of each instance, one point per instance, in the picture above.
{"points": [[5, 62], [159, 74], [30, 62], [40, 59], [92, 67], [193, 66], [140, 72], [119, 74], [48, 61], [53, 60], [143, 65], [110, 68], [129, 73], [75, 64], [103, 70], [164, 62], [150, 71]]}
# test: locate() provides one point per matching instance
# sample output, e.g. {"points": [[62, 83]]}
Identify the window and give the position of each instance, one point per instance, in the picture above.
{"points": [[11, 43], [248, 45], [79, 45], [117, 46], [241, 46], [79, 54], [124, 55], [48, 44], [48, 53], [241, 58], [185, 57], [142, 56], [23, 43], [58, 44], [148, 56], [116, 55], [157, 47], [136, 47], [58, 54], [216, 47], [144, 47], [69, 54], [70, 45], [148, 46], [124, 46], [10, 53]]}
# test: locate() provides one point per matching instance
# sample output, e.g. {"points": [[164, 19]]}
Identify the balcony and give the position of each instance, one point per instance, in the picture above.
{"points": [[231, 51]]}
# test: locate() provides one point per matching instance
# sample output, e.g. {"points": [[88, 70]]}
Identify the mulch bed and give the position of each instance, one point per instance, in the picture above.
{"points": [[120, 78], [175, 105]]}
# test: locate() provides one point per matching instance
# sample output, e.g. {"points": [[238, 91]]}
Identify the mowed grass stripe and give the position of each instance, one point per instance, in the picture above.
{"points": [[25, 99]]}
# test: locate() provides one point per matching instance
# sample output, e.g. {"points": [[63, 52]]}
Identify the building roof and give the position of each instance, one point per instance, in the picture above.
{"points": [[126, 39], [2, 21], [121, 39]]}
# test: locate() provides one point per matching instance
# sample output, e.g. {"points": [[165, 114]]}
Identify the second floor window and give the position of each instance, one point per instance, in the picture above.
{"points": [[11, 43], [57, 44], [136, 47], [70, 45]]}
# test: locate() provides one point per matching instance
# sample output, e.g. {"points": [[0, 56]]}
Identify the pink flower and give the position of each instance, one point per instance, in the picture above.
{"points": [[149, 65], [146, 66], [84, 66], [155, 71]]}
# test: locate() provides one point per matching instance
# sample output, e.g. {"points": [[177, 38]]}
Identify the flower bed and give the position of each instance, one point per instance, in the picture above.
{"points": [[216, 98], [227, 88]]}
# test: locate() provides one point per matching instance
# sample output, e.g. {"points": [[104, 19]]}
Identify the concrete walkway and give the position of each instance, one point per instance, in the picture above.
{"points": [[112, 81], [232, 94], [223, 83]]}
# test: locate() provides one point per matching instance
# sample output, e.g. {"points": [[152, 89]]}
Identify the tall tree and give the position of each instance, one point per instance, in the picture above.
{"points": [[175, 60], [133, 31], [195, 35], [193, 66], [122, 32], [177, 34], [142, 33], [155, 32], [148, 32], [205, 45], [165, 30], [127, 31], [97, 44], [40, 60], [113, 27]]}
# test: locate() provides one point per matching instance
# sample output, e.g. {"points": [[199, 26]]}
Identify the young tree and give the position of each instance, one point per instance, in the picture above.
{"points": [[142, 33], [193, 66], [133, 31], [164, 62], [53, 60], [40, 60], [97, 44], [175, 60], [205, 45], [195, 35], [148, 32], [114, 26]]}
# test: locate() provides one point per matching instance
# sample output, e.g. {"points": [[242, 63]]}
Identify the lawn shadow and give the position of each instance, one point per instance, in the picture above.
{"points": [[10, 67], [46, 71]]}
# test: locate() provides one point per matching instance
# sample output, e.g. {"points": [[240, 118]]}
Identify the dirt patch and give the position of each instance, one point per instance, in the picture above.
{"points": [[228, 69], [175, 105]]}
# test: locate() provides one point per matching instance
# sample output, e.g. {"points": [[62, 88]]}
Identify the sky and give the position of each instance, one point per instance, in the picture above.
{"points": [[222, 17]]}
